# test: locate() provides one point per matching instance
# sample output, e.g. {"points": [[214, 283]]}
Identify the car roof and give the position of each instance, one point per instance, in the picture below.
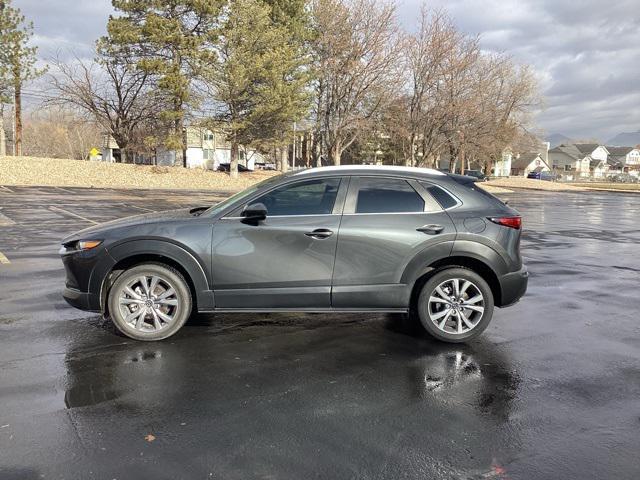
{"points": [[368, 169]]}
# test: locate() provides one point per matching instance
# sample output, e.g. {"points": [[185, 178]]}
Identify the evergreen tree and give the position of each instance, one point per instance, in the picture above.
{"points": [[17, 62], [256, 77], [168, 39]]}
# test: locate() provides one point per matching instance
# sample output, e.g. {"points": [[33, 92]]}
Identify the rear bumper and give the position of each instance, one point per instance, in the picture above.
{"points": [[513, 286], [82, 300]]}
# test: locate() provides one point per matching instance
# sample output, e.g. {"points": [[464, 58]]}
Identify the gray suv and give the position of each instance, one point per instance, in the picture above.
{"points": [[332, 239]]}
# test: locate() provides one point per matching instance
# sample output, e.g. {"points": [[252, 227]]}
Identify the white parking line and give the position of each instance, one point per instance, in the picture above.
{"points": [[139, 208], [57, 209], [4, 259]]}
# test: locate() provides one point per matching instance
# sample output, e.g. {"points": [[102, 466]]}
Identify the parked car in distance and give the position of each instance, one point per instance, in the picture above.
{"points": [[477, 174], [330, 239], [547, 176], [225, 167]]}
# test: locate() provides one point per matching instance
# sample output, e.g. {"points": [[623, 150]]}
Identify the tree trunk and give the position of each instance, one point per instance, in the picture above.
{"points": [[18, 119], [3, 145], [284, 159], [336, 153], [306, 151], [411, 161], [277, 159], [233, 166]]}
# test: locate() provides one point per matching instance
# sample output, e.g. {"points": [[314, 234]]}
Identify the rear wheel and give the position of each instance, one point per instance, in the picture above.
{"points": [[455, 305], [149, 302]]}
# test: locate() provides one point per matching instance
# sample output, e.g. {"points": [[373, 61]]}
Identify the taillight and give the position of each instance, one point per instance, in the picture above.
{"points": [[511, 222]]}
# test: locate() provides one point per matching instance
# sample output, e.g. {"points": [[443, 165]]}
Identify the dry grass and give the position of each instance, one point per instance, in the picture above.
{"points": [[626, 187], [529, 183], [78, 173]]}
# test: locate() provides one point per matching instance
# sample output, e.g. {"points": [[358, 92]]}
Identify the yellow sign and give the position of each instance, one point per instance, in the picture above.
{"points": [[94, 152]]}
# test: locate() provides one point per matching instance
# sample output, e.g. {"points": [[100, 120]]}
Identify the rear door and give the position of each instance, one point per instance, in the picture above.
{"points": [[285, 261], [386, 222]]}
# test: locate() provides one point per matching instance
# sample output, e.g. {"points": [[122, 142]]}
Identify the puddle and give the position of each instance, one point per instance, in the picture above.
{"points": [[87, 395]]}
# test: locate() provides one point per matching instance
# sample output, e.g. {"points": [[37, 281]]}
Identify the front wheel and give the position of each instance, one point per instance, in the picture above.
{"points": [[455, 305], [149, 302]]}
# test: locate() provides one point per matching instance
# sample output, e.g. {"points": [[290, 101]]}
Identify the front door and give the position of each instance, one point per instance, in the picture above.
{"points": [[286, 260], [386, 223]]}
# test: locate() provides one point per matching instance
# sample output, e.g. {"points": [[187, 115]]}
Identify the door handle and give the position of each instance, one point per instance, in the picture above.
{"points": [[320, 233], [431, 229]]}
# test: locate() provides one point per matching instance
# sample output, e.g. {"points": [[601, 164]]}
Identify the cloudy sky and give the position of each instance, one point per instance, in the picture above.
{"points": [[586, 53]]}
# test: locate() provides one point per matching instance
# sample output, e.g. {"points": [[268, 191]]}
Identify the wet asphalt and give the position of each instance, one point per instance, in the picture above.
{"points": [[551, 390]]}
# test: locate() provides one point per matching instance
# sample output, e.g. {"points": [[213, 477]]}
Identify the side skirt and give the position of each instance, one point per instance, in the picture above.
{"points": [[306, 310]]}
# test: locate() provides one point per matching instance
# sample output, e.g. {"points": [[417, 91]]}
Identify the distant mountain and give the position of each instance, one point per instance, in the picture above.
{"points": [[556, 139], [627, 139]]}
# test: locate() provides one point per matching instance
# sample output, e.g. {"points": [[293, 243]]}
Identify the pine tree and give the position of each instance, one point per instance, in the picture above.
{"points": [[17, 62], [256, 77], [167, 38]]}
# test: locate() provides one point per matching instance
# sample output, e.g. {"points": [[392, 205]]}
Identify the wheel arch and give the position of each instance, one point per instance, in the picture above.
{"points": [[470, 263], [129, 254]]}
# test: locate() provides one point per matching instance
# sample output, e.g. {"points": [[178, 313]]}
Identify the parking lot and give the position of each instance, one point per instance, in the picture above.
{"points": [[551, 390]]}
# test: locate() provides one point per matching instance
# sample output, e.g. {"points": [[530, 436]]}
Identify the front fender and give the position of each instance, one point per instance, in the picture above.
{"points": [[172, 251]]}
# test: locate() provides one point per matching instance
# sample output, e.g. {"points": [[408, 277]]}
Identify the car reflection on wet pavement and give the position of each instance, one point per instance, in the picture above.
{"points": [[550, 391]]}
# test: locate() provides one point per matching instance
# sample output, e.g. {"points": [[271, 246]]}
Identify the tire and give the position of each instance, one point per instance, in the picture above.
{"points": [[166, 306], [444, 320]]}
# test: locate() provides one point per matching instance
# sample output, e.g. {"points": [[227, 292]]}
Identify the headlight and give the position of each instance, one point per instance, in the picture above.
{"points": [[80, 245], [88, 244]]}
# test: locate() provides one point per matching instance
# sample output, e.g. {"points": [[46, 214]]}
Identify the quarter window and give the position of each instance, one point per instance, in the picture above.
{"points": [[387, 195], [312, 197], [442, 196]]}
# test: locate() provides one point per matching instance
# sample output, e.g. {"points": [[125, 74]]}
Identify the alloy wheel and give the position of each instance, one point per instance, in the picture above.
{"points": [[456, 306], [148, 303]]}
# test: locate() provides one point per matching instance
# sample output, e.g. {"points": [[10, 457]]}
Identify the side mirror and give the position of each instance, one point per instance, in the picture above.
{"points": [[254, 213]]}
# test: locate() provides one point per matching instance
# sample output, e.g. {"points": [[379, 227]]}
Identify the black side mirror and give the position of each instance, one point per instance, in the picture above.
{"points": [[254, 213]]}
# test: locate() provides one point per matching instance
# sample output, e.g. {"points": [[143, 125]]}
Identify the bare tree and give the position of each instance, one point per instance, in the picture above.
{"points": [[112, 92], [356, 50], [59, 133]]}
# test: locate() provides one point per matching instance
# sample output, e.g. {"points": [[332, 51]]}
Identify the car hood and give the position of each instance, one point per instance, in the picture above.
{"points": [[145, 218]]}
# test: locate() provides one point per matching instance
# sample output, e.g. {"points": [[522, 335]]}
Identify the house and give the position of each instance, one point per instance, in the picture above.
{"points": [[526, 163], [502, 167], [573, 160], [599, 168], [624, 159], [205, 149]]}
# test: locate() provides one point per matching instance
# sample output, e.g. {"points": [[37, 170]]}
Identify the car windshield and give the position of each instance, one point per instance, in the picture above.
{"points": [[216, 209]]}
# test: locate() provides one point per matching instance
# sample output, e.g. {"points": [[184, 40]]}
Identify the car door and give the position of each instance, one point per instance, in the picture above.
{"points": [[286, 260], [387, 222]]}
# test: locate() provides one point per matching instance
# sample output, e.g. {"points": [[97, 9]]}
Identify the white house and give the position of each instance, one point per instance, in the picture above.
{"points": [[525, 163], [625, 159], [502, 167], [575, 160], [205, 149]]}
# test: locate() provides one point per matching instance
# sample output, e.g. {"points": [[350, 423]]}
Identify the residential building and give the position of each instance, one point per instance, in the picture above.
{"points": [[573, 160], [624, 159], [525, 163], [205, 149], [502, 167]]}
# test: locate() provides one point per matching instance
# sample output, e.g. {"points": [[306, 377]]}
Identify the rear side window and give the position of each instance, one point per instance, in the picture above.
{"points": [[444, 198], [387, 195]]}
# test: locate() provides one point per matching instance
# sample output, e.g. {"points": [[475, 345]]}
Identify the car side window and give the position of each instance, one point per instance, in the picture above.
{"points": [[311, 197], [387, 195], [443, 197]]}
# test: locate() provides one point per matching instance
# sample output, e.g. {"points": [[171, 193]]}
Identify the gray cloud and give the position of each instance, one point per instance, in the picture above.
{"points": [[586, 53]]}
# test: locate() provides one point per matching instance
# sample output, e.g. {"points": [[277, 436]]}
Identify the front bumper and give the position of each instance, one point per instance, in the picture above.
{"points": [[82, 300], [513, 286]]}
